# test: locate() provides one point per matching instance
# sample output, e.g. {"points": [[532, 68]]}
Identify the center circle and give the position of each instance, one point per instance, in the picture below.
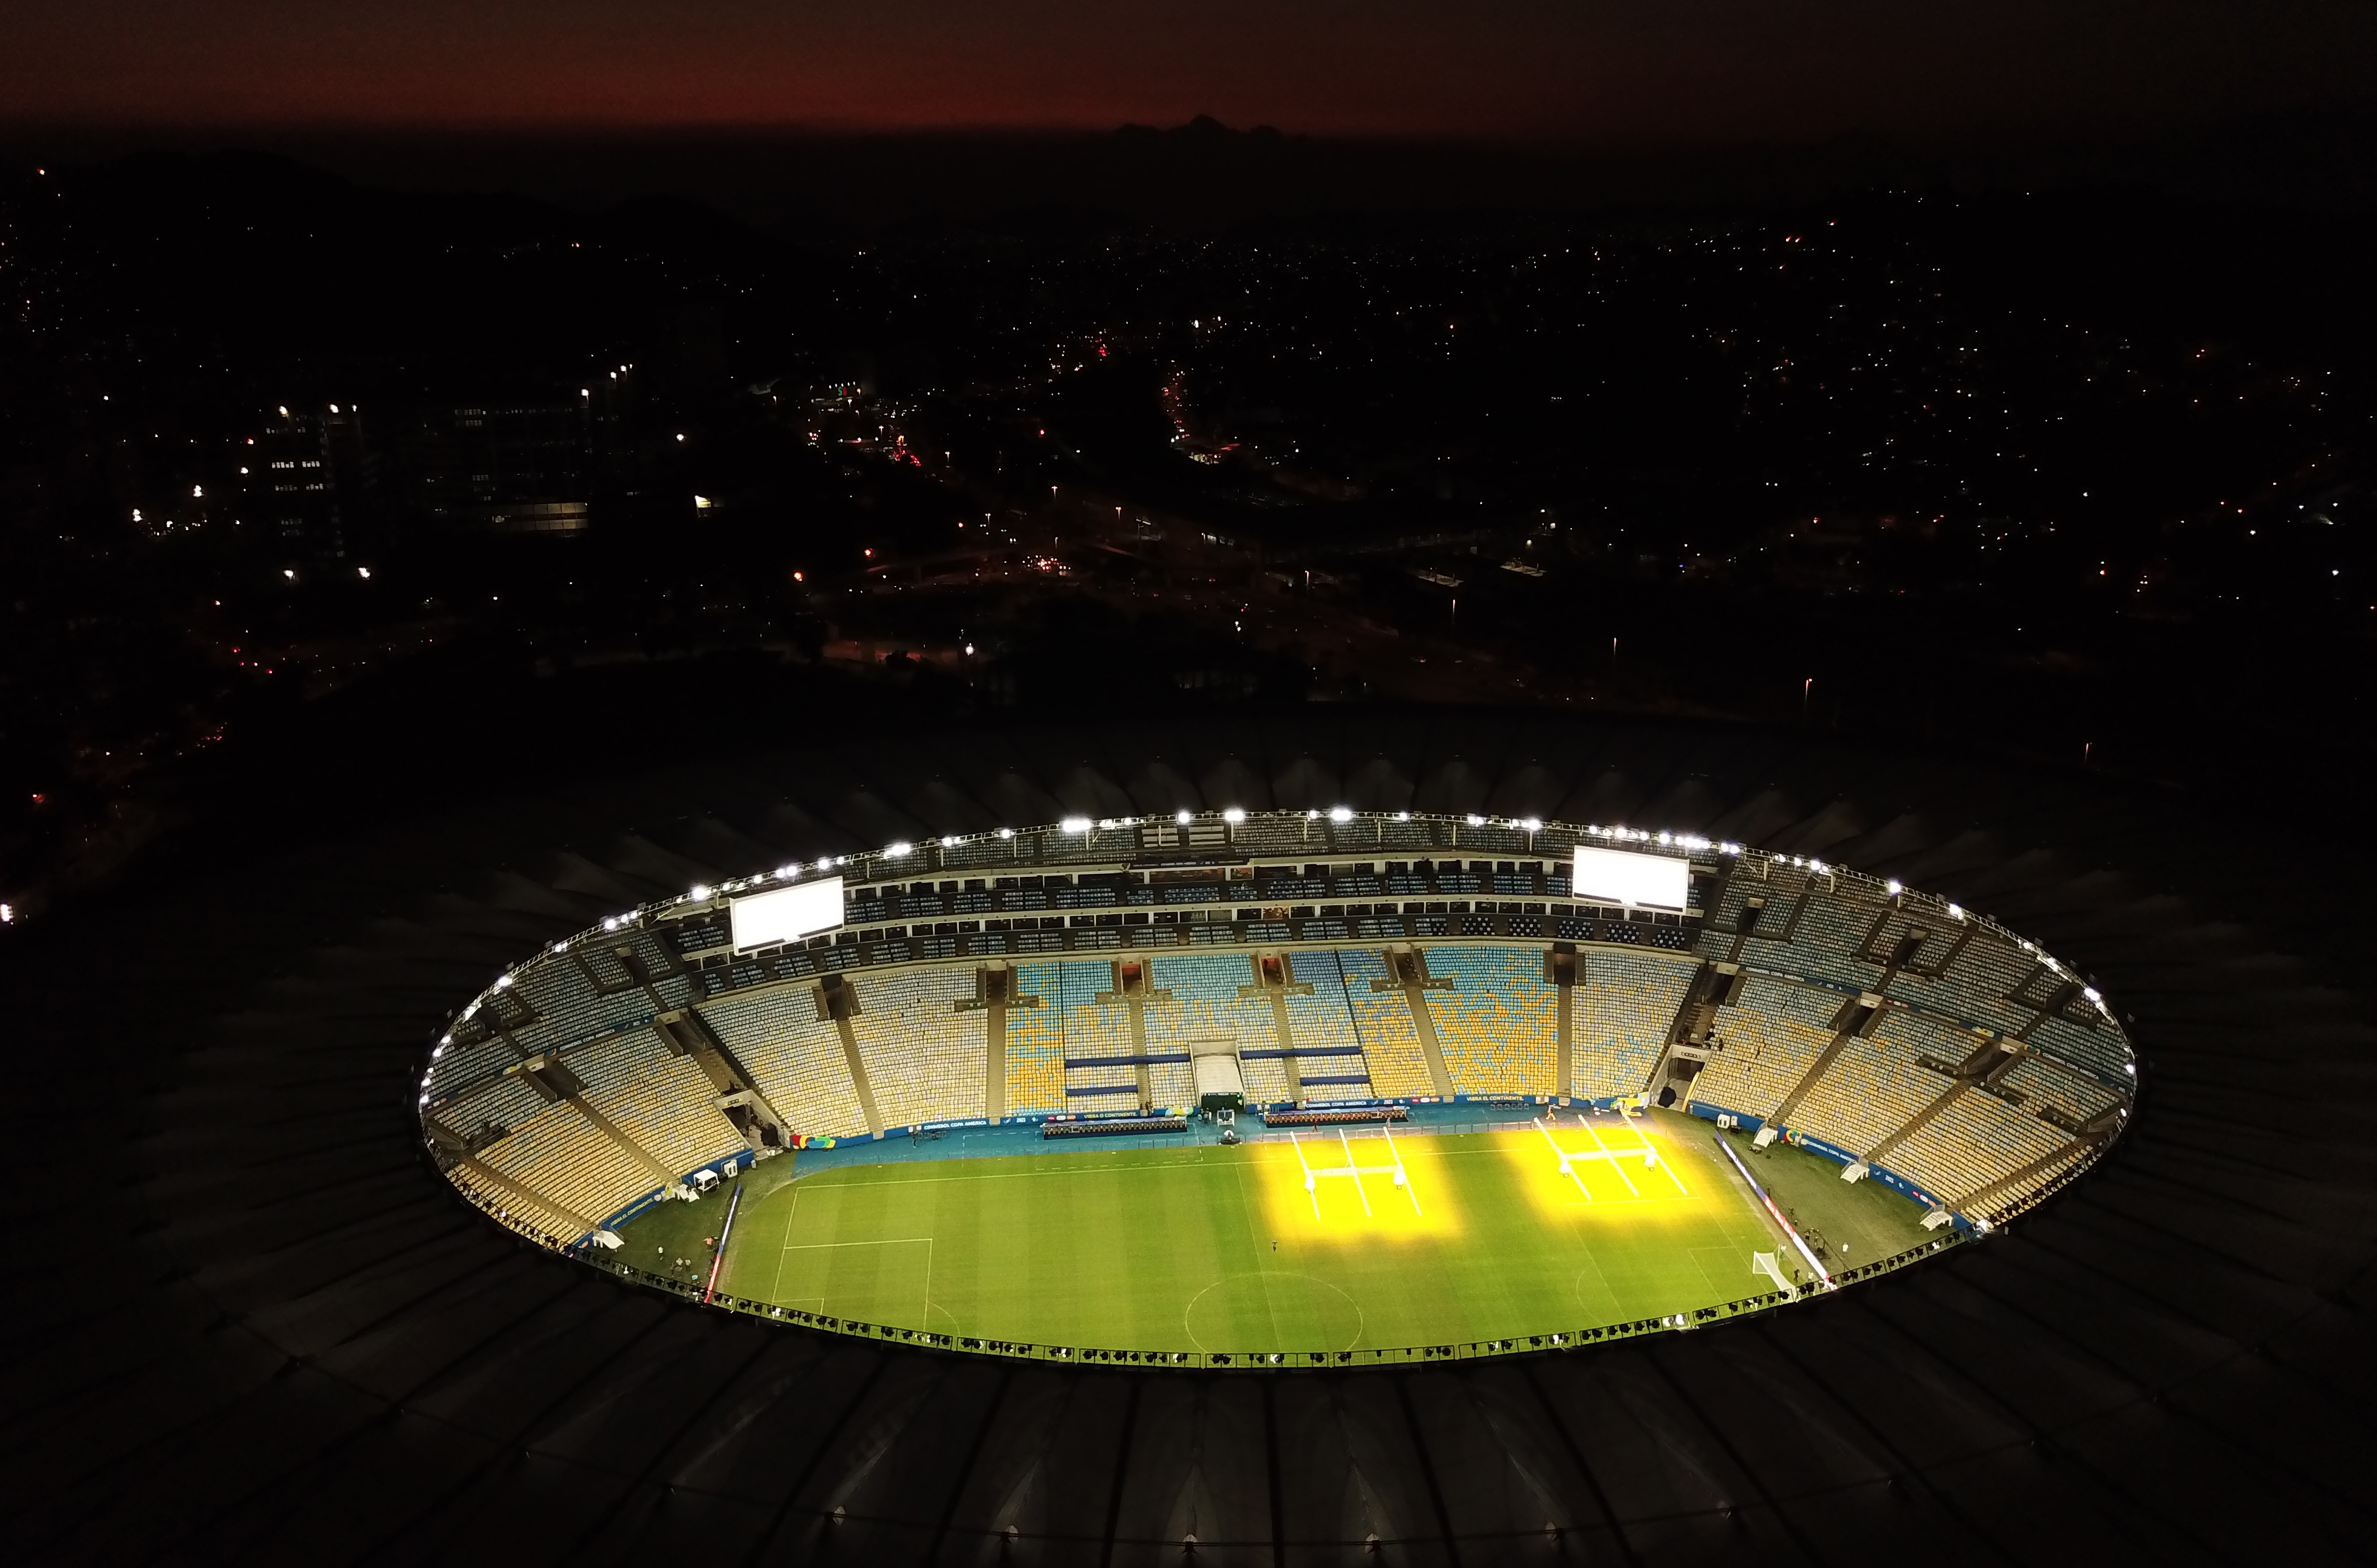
{"points": [[1272, 1309]]}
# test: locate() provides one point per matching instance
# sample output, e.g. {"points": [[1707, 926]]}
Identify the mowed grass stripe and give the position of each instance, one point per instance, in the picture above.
{"points": [[1172, 1249]]}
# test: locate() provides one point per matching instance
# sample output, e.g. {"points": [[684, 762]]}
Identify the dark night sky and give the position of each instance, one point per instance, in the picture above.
{"points": [[1616, 70]]}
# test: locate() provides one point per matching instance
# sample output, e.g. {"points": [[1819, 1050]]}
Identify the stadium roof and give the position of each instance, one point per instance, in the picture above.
{"points": [[256, 1324]]}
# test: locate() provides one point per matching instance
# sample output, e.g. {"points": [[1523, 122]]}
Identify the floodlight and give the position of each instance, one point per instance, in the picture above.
{"points": [[1184, 818], [899, 851], [1894, 886], [1232, 815], [701, 892], [1075, 825], [502, 981], [949, 841], [1533, 824], [1475, 820], [1403, 816], [1341, 813], [1007, 832], [788, 870]]}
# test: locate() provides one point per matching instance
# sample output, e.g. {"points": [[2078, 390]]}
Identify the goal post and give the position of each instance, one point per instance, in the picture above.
{"points": [[1353, 1170], [1616, 1156]]}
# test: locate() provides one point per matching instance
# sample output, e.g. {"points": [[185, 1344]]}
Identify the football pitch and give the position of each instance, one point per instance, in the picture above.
{"points": [[1205, 1248]]}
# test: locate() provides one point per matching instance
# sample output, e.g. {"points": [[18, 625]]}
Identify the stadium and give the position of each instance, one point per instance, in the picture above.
{"points": [[321, 1128], [913, 1030]]}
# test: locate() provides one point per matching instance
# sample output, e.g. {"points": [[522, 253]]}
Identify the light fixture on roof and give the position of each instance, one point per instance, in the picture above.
{"points": [[899, 851], [1184, 817], [1403, 816], [1475, 820], [1074, 825], [1341, 813], [788, 870], [502, 981], [2092, 993], [1895, 887], [1232, 815], [1007, 832], [610, 922], [949, 841], [1533, 824], [700, 891], [1955, 912], [445, 1039]]}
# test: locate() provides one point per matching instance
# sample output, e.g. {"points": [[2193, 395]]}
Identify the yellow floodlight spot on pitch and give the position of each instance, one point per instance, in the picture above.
{"points": [[1338, 1187], [1600, 1172]]}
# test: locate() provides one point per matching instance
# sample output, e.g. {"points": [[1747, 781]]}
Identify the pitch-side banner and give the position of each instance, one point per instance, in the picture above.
{"points": [[1618, 876], [786, 914]]}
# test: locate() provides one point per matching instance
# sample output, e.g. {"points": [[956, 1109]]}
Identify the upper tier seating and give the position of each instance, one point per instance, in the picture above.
{"points": [[505, 1102], [2096, 1051], [924, 1058], [1974, 986], [2046, 1082], [795, 1057], [1035, 1043], [1494, 1013], [1874, 1087], [1205, 1002], [558, 1154], [1979, 1140], [1382, 1022], [1768, 1042], [662, 1103], [1324, 1021], [1625, 1004], [1499, 1025]]}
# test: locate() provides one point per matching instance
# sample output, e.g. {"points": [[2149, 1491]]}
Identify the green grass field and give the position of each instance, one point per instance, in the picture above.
{"points": [[1206, 1249]]}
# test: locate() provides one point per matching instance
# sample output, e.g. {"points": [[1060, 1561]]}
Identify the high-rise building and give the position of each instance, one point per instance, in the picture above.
{"points": [[515, 467], [303, 476]]}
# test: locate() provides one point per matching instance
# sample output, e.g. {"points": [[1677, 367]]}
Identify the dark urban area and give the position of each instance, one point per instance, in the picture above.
{"points": [[1254, 786], [2081, 473]]}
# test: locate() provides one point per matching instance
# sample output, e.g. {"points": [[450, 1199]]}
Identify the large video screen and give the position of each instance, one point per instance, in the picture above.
{"points": [[1618, 876], [786, 914]]}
